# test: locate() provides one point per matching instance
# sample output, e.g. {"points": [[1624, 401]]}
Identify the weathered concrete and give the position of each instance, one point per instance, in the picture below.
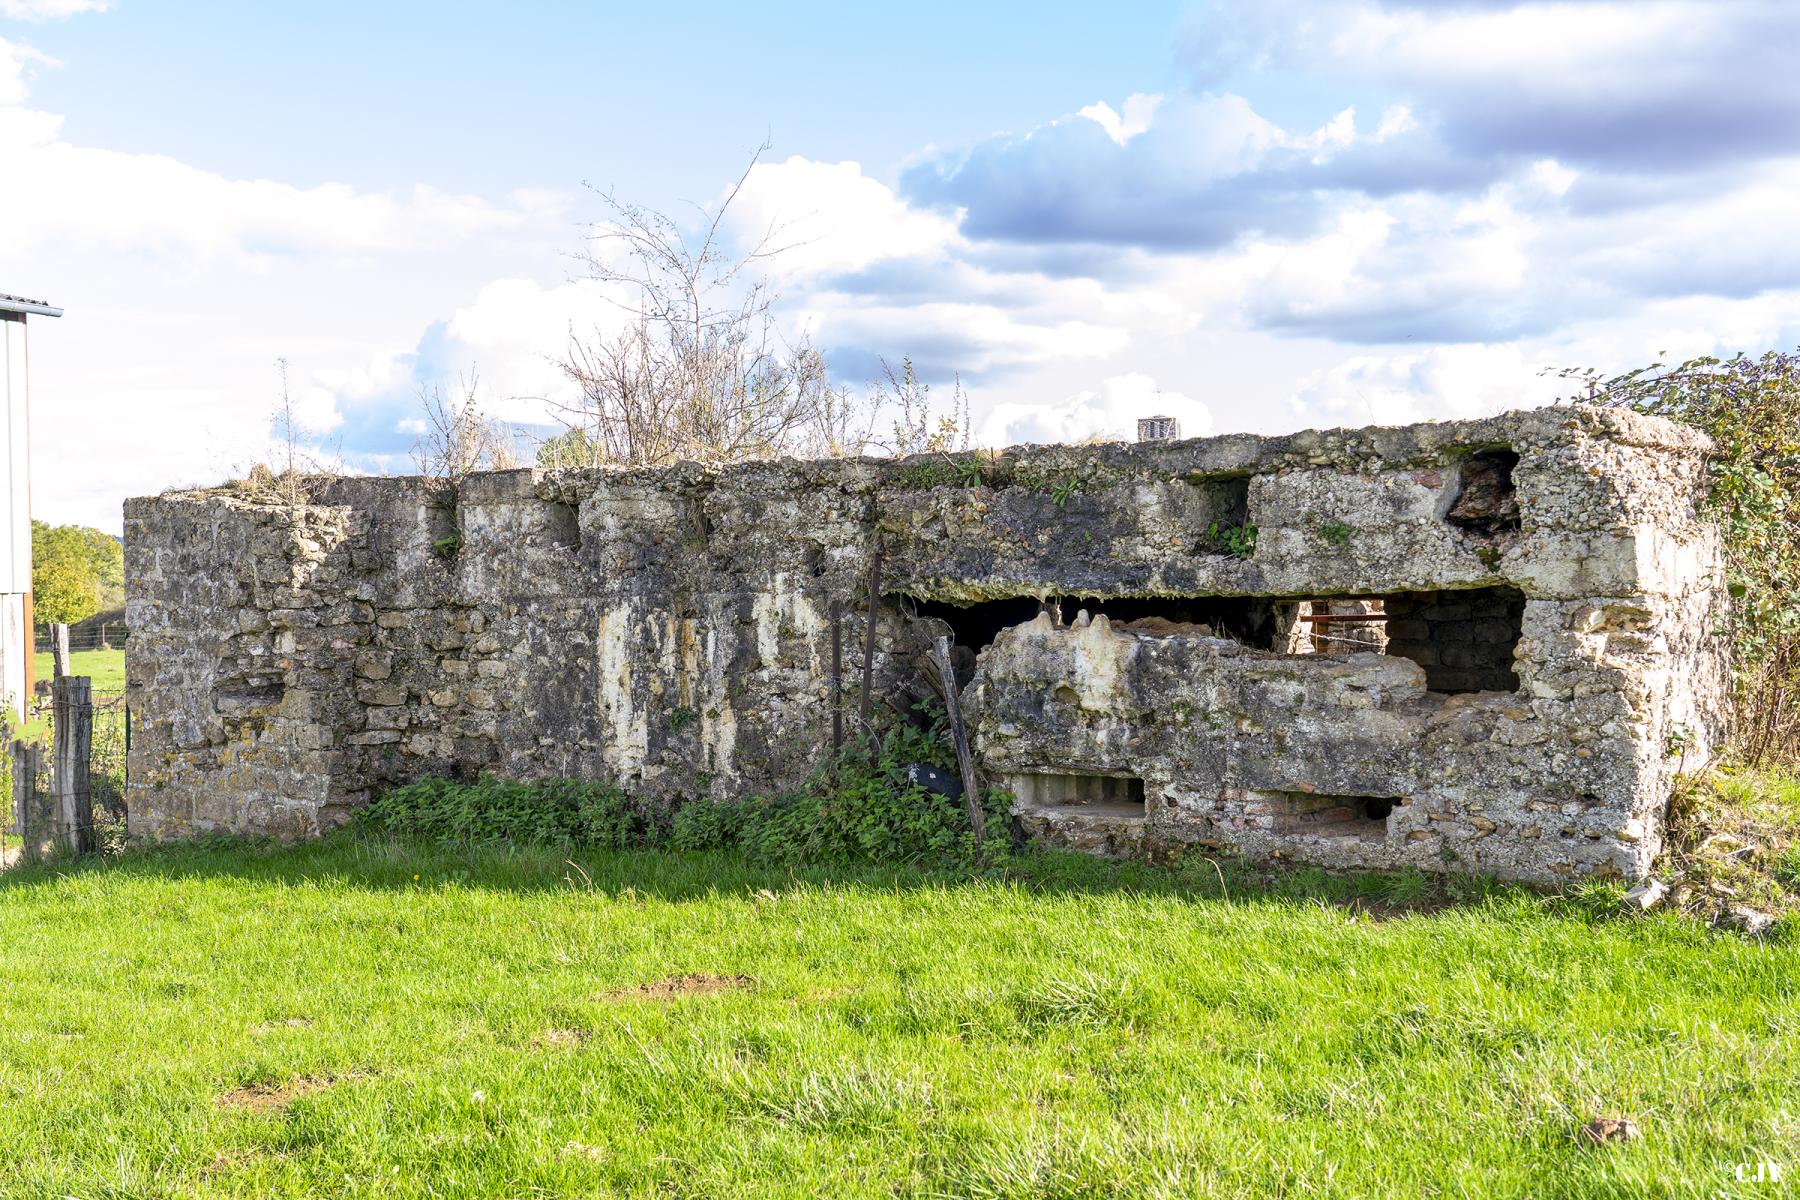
{"points": [[1549, 628]]}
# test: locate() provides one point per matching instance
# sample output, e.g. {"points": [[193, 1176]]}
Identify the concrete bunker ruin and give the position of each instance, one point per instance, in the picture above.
{"points": [[1476, 646]]}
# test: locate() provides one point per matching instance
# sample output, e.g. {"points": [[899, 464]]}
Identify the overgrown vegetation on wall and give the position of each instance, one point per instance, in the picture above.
{"points": [[864, 812], [1750, 407]]}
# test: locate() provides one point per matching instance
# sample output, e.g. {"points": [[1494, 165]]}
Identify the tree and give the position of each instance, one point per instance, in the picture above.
{"points": [[570, 448], [106, 558], [71, 567], [701, 369]]}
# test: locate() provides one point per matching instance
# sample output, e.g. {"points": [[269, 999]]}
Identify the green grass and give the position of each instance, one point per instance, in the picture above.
{"points": [[1735, 838], [384, 1019], [105, 667]]}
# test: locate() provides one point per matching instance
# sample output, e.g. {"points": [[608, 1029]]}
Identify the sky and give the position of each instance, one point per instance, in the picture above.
{"points": [[1255, 215]]}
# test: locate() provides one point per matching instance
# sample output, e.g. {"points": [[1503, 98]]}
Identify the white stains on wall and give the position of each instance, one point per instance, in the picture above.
{"points": [[625, 723]]}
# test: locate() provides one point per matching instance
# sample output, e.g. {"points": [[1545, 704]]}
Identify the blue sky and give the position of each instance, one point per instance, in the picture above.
{"points": [[1257, 214]]}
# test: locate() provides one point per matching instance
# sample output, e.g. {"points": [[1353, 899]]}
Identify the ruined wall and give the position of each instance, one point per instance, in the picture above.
{"points": [[670, 630]]}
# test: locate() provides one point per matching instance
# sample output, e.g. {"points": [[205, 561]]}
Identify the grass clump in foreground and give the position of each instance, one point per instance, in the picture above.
{"points": [[375, 1017]]}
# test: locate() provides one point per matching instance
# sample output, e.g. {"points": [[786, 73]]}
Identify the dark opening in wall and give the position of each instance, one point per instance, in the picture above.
{"points": [[1487, 503], [1251, 620], [442, 528], [1225, 498], [562, 524], [1362, 817], [974, 626], [1464, 639], [1114, 795]]}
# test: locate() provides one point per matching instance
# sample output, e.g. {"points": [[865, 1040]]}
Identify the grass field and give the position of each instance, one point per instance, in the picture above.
{"points": [[382, 1019], [105, 667]]}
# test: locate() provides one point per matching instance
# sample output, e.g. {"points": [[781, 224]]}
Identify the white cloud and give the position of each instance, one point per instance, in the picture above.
{"points": [[81, 197], [1443, 382], [830, 217], [50, 10], [1109, 413], [1139, 112], [17, 63], [1677, 82]]}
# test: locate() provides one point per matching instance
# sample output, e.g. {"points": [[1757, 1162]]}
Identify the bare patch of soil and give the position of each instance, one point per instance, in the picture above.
{"points": [[272, 1097], [560, 1039], [678, 986]]}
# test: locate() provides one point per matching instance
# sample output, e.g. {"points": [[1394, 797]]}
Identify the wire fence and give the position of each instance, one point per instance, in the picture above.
{"points": [[107, 635], [64, 788]]}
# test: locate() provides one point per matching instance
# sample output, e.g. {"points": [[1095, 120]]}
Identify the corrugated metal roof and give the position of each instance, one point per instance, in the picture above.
{"points": [[19, 304]]}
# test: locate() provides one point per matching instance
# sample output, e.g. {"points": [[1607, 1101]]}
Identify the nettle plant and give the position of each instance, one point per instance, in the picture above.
{"points": [[1750, 407]]}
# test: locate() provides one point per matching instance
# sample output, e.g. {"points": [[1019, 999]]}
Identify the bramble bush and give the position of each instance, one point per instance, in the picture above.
{"points": [[1750, 407], [863, 812]]}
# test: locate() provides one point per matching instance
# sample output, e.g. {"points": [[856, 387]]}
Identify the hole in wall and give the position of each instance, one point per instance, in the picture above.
{"points": [[1310, 814], [1464, 639], [1337, 626], [1487, 501], [973, 626], [1224, 498], [1112, 795], [1252, 620], [443, 532], [562, 524]]}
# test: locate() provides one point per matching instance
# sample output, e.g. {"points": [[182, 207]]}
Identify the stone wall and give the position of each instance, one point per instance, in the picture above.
{"points": [[670, 630]]}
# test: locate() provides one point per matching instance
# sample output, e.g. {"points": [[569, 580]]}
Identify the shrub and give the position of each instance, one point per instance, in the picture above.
{"points": [[861, 812], [559, 812], [1750, 407]]}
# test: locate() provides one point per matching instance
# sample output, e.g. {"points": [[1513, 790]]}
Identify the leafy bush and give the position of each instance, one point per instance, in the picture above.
{"points": [[553, 812], [1750, 407], [862, 812]]}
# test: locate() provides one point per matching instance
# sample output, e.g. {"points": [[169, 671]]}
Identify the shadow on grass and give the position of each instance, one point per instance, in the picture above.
{"points": [[353, 859]]}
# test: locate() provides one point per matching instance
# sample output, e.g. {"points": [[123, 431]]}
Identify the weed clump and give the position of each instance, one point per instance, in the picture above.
{"points": [[863, 812]]}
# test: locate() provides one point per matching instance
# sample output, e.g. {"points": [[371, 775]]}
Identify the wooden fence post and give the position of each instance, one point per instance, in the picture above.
{"points": [[26, 762], [59, 649], [74, 730], [964, 759]]}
